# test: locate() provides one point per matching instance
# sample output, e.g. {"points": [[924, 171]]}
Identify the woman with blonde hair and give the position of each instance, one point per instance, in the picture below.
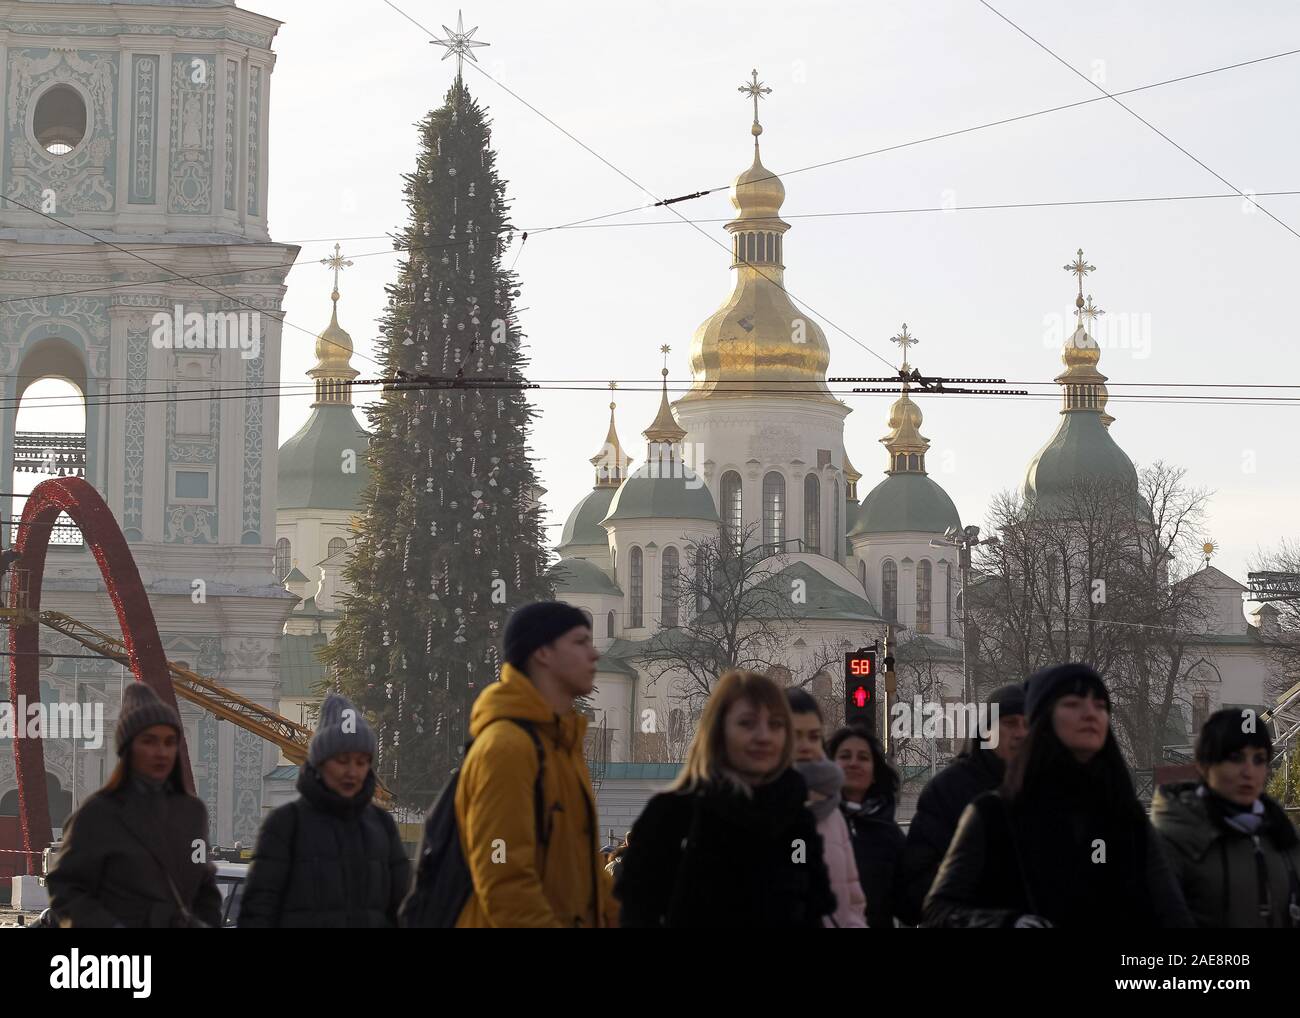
{"points": [[730, 843]]}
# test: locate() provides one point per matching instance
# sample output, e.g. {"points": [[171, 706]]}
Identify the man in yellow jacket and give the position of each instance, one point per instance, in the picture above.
{"points": [[550, 660]]}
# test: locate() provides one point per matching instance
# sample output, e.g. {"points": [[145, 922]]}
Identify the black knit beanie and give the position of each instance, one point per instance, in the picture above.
{"points": [[535, 625]]}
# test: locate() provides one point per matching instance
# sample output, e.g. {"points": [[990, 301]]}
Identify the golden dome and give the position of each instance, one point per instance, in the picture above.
{"points": [[664, 428], [758, 341], [906, 445], [334, 348], [757, 193], [611, 462]]}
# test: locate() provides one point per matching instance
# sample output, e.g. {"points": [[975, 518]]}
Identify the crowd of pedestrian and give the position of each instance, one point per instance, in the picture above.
{"points": [[771, 822]]}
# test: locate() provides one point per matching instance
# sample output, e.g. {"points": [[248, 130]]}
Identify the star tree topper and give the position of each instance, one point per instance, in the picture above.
{"points": [[459, 42]]}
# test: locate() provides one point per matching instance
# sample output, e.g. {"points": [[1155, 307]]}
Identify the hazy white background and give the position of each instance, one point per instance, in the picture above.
{"points": [[652, 88]]}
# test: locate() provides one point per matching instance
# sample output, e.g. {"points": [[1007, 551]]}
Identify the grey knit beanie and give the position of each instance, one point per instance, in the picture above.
{"points": [[341, 729], [141, 709]]}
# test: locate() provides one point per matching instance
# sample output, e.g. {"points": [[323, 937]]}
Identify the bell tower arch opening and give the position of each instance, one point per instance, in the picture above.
{"points": [[49, 429]]}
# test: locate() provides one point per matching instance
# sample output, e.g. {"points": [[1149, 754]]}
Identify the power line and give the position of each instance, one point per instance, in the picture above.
{"points": [[950, 134], [1138, 117]]}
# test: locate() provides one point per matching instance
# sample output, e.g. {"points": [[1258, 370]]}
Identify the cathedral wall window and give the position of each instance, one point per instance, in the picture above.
{"points": [[59, 119], [924, 595], [774, 511], [283, 557], [336, 545], [609, 625], [733, 507], [670, 566], [889, 590], [812, 514], [636, 588]]}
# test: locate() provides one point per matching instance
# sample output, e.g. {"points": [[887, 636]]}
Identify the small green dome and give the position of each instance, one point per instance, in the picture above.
{"points": [[906, 502], [682, 495], [311, 471], [1080, 450], [583, 525], [578, 576]]}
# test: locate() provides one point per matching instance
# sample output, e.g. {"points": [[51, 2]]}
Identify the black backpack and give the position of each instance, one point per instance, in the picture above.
{"points": [[442, 882]]}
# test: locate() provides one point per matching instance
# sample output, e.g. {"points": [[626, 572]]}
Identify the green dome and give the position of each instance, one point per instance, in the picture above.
{"points": [[583, 525], [1081, 449], [906, 502], [311, 474], [646, 496], [578, 576]]}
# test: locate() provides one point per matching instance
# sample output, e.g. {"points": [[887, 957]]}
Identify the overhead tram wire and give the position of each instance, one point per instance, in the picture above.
{"points": [[948, 134], [577, 223], [657, 199], [784, 173], [1137, 116]]}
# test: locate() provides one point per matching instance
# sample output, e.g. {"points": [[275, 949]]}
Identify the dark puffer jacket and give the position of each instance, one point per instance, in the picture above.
{"points": [[128, 859], [878, 850], [717, 858], [1219, 868], [326, 861], [938, 810]]}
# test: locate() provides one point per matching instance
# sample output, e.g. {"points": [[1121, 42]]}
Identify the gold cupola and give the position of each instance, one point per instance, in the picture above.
{"points": [[1083, 386], [907, 446], [333, 369], [758, 342], [664, 436], [611, 462]]}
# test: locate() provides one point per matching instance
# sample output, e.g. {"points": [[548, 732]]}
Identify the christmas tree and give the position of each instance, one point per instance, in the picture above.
{"points": [[450, 540]]}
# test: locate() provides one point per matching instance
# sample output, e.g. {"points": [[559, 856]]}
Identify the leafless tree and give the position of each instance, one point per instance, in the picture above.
{"points": [[734, 612], [1101, 580], [1284, 642]]}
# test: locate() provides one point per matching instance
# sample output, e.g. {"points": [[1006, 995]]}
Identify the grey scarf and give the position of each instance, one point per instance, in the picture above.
{"points": [[822, 776]]}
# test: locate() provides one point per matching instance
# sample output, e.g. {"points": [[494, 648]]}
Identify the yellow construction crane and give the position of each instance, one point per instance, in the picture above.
{"points": [[291, 737]]}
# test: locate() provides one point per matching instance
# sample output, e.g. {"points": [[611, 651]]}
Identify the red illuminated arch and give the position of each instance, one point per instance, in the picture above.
{"points": [[77, 498]]}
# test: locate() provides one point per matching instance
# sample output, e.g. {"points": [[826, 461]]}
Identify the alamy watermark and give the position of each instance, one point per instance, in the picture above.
{"points": [[928, 720], [212, 330], [77, 721]]}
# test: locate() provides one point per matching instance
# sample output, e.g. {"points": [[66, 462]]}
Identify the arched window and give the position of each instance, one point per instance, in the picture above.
{"points": [[702, 579], [774, 510], [835, 521], [635, 585], [283, 557], [733, 507], [862, 574], [913, 461], [902, 462], [609, 625], [889, 591], [812, 514], [49, 437], [670, 565], [336, 545], [924, 593]]}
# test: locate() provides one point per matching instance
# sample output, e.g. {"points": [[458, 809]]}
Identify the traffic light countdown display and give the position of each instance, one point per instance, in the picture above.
{"points": [[860, 688]]}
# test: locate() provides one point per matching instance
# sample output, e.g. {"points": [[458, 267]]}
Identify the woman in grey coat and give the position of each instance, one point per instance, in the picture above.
{"points": [[135, 853], [1233, 850]]}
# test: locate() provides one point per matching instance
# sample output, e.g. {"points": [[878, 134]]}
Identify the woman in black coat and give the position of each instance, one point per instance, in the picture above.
{"points": [[732, 843], [134, 855], [331, 858], [1065, 841], [869, 797]]}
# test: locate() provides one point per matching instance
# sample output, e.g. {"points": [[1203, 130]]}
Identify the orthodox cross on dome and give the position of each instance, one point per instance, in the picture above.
{"points": [[1089, 311], [665, 350], [756, 90], [613, 386], [1080, 267], [459, 42], [336, 261], [904, 339]]}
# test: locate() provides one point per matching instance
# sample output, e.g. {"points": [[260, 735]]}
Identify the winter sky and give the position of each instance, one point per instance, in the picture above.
{"points": [[1195, 291]]}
